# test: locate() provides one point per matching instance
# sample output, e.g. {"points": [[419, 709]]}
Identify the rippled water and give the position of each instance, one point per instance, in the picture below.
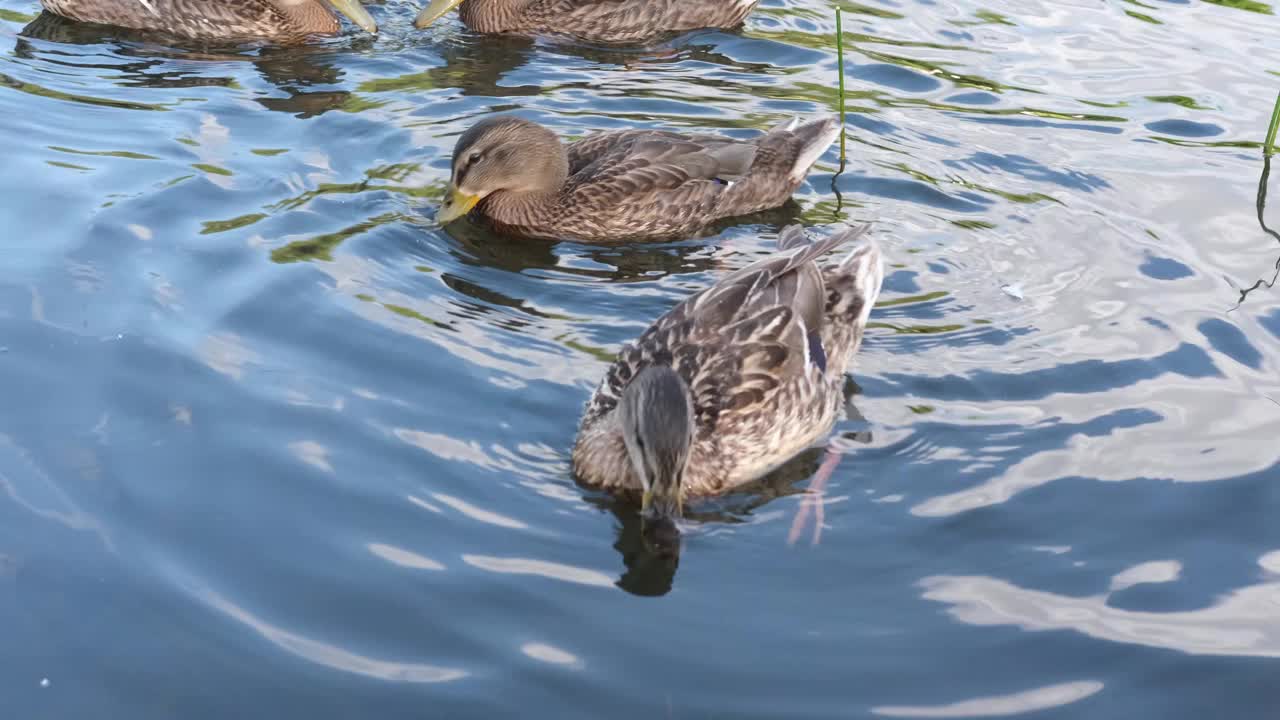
{"points": [[276, 446]]}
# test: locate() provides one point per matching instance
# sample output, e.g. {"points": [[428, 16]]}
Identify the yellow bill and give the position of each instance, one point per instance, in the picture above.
{"points": [[664, 504], [456, 204], [434, 12], [356, 12]]}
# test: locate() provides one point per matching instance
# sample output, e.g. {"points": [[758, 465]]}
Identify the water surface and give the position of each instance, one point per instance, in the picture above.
{"points": [[275, 445]]}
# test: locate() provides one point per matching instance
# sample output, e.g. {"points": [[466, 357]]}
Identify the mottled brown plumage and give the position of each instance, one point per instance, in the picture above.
{"points": [[624, 185], [762, 356], [602, 21], [284, 21]]}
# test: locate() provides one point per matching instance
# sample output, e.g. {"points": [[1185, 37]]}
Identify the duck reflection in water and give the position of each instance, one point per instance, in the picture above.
{"points": [[485, 65], [294, 70], [476, 245], [651, 551], [281, 21]]}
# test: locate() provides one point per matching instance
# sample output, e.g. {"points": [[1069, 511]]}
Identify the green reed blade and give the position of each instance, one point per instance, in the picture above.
{"points": [[840, 69], [1268, 147]]}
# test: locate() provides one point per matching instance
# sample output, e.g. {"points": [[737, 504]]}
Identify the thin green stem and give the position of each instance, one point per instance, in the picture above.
{"points": [[1268, 147], [840, 69]]}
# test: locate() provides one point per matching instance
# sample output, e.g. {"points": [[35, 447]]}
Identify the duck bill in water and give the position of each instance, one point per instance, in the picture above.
{"points": [[434, 12], [356, 13], [660, 508], [456, 204], [656, 413]]}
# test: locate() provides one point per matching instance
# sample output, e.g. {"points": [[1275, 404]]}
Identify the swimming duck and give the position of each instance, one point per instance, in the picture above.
{"points": [[733, 381], [603, 21], [285, 21], [624, 184]]}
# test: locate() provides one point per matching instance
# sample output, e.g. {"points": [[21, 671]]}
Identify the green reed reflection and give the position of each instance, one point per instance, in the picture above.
{"points": [[212, 227], [1179, 100], [321, 247], [403, 311], [127, 155], [915, 329], [15, 16], [1249, 5], [33, 89], [212, 169]]}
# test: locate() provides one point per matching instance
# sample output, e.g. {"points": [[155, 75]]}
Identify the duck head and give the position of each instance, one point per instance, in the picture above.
{"points": [[502, 154]]}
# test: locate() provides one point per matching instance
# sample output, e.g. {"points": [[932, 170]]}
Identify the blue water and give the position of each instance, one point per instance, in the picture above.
{"points": [[274, 445]]}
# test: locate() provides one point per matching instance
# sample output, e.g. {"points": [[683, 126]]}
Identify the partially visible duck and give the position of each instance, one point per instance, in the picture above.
{"points": [[283, 21], [603, 21]]}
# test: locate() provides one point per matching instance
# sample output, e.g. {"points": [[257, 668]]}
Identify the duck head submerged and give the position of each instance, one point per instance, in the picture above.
{"points": [[656, 413]]}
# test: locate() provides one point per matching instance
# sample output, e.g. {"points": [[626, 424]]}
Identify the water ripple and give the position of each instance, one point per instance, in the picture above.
{"points": [[235, 351], [332, 656]]}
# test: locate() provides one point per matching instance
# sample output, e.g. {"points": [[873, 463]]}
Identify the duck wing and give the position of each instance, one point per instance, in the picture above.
{"points": [[634, 20], [650, 184], [642, 182], [783, 157], [738, 341], [663, 155]]}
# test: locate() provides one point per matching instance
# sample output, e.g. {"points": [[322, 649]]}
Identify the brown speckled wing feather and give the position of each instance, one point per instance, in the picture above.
{"points": [[656, 145], [199, 19], [632, 20], [740, 176], [735, 342], [783, 156], [651, 183], [592, 147]]}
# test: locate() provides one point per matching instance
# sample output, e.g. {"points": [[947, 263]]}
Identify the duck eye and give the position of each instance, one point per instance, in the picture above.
{"points": [[475, 157]]}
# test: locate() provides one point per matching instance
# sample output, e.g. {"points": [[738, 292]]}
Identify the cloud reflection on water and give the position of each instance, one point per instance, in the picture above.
{"points": [[1244, 622]]}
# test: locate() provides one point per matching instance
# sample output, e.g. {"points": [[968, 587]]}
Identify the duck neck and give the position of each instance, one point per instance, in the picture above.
{"points": [[519, 211], [492, 16]]}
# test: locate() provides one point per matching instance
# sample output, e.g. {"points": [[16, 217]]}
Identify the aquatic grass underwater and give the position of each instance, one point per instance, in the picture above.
{"points": [[275, 444]]}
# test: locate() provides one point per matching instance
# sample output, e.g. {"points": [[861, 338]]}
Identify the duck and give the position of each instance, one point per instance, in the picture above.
{"points": [[598, 21], [733, 381], [283, 21], [623, 185]]}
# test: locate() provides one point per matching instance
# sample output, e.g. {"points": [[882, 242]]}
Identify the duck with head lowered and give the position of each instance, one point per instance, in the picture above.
{"points": [[283, 21], [733, 381], [623, 185], [601, 21]]}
